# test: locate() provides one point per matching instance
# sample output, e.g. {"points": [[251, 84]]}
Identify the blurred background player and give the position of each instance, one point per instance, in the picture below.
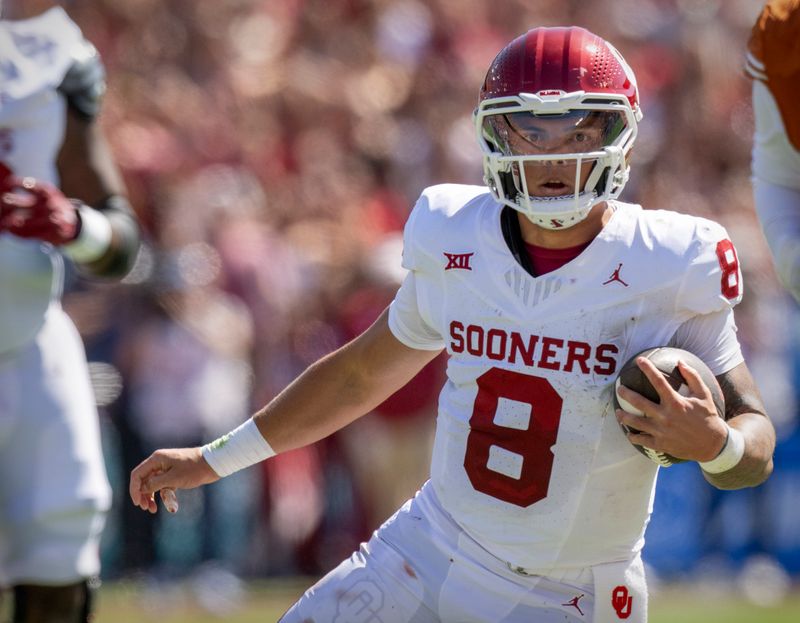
{"points": [[53, 487], [773, 61]]}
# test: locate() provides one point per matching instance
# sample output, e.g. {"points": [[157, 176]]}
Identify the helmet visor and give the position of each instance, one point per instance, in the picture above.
{"points": [[575, 132]]}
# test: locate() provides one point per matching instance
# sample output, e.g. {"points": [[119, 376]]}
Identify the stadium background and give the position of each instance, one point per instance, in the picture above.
{"points": [[273, 150]]}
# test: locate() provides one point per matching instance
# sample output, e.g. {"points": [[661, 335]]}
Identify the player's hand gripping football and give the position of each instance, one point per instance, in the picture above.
{"points": [[30, 208], [687, 427], [164, 471]]}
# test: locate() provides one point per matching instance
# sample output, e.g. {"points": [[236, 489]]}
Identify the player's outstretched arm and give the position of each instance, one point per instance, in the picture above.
{"points": [[341, 387], [734, 453], [331, 393]]}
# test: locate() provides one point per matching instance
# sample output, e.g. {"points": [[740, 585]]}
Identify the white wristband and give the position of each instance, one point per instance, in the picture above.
{"points": [[93, 240], [732, 452], [240, 448]]}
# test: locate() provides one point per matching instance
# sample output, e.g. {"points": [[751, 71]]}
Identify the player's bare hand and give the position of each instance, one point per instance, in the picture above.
{"points": [[165, 471], [685, 426]]}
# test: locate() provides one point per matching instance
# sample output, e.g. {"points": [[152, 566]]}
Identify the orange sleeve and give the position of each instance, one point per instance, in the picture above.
{"points": [[774, 58]]}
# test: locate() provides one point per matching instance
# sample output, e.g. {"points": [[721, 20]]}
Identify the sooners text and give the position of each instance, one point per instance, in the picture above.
{"points": [[549, 353]]}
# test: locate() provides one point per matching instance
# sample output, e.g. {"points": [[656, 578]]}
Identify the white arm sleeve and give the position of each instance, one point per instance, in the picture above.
{"points": [[712, 337], [774, 159], [405, 321], [778, 210]]}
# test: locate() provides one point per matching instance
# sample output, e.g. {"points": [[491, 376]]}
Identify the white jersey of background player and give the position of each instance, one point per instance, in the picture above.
{"points": [[540, 287], [53, 486], [773, 61]]}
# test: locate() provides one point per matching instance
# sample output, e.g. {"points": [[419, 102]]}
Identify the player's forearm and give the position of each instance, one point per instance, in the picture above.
{"points": [[89, 174], [340, 388], [326, 397], [756, 463], [329, 395], [119, 254], [778, 209]]}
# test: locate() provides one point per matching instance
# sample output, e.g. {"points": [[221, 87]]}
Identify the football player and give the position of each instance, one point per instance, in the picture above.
{"points": [[773, 62], [53, 487], [539, 285]]}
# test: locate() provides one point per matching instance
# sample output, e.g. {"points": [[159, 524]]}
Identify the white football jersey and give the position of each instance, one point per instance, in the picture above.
{"points": [[529, 458], [36, 54]]}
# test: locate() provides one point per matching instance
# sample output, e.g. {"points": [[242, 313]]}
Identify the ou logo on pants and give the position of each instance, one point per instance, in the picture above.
{"points": [[621, 601], [360, 603]]}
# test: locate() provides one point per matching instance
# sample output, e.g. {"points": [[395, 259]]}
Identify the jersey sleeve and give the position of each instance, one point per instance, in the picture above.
{"points": [[84, 83], [406, 322], [411, 313], [713, 278], [712, 337], [411, 259]]}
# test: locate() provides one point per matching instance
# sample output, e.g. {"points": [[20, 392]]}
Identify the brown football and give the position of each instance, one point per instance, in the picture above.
{"points": [[665, 358]]}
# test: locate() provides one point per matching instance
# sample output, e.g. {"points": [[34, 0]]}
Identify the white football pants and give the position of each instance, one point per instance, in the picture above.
{"points": [[420, 567], [53, 486]]}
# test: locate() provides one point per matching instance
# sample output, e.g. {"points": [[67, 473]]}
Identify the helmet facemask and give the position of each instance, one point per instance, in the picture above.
{"points": [[553, 156]]}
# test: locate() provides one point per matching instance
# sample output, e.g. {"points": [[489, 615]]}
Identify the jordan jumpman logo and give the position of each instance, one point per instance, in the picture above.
{"points": [[615, 277], [574, 603]]}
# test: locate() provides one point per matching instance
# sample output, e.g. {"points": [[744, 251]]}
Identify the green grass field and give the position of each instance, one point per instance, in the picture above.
{"points": [[264, 602]]}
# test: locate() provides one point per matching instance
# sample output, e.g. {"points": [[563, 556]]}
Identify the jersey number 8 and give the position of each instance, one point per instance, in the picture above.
{"points": [[532, 444]]}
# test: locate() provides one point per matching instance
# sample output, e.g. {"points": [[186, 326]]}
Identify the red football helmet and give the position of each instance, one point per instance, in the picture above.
{"points": [[558, 111]]}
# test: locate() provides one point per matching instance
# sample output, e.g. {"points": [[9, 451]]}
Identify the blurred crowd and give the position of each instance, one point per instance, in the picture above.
{"points": [[273, 149]]}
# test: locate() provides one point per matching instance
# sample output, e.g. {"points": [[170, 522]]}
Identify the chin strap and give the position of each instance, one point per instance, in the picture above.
{"points": [[557, 213], [509, 223]]}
